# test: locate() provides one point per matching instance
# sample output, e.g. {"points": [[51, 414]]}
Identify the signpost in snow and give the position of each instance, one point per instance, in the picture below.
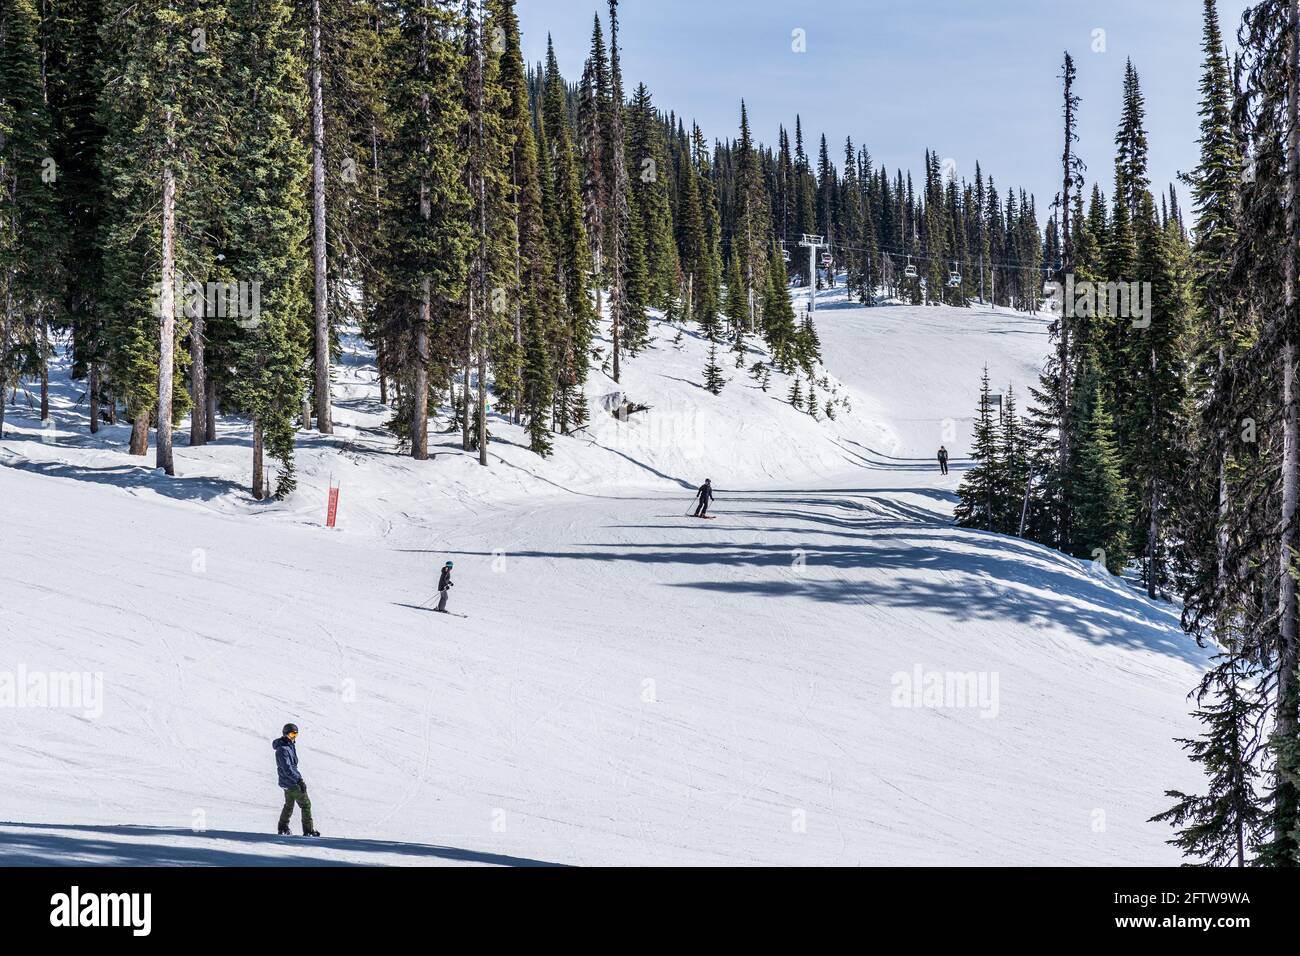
{"points": [[333, 512]]}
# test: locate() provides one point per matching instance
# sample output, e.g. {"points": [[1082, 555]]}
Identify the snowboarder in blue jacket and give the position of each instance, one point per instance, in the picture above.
{"points": [[294, 786]]}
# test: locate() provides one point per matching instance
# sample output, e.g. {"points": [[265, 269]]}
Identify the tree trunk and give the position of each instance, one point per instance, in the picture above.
{"points": [[306, 412], [1221, 536], [464, 394], [167, 326], [92, 396], [1153, 530], [1067, 266], [1153, 527], [482, 408], [6, 323], [259, 478], [43, 350], [420, 387], [1288, 652], [381, 366], [324, 421], [198, 382], [211, 416], [140, 434]]}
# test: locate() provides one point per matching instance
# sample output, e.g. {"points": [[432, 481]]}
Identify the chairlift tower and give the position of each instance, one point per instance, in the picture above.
{"points": [[812, 244]]}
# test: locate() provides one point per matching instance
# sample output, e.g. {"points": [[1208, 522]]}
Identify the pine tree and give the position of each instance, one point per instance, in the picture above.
{"points": [[713, 378], [1101, 519], [28, 214], [707, 283], [700, 303], [572, 247], [752, 220], [270, 220], [622, 252], [591, 142], [490, 133], [737, 303], [165, 99], [347, 81], [1013, 466], [778, 328], [808, 347], [1157, 355], [1066, 335], [1260, 526], [427, 206], [979, 493], [73, 64], [1222, 826], [1131, 145], [648, 160]]}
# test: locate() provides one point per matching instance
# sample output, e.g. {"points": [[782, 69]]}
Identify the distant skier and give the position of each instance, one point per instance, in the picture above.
{"points": [[943, 460], [295, 787], [444, 587], [705, 498]]}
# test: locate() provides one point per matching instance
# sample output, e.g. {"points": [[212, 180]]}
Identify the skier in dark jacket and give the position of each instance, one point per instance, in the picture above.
{"points": [[444, 587], [295, 787], [705, 496], [943, 459]]}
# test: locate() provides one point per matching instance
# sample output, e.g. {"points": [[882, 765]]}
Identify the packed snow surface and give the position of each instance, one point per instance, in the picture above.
{"points": [[830, 672]]}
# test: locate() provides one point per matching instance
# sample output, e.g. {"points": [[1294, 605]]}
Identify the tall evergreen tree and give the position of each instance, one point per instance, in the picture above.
{"points": [[1101, 519], [621, 250], [980, 491], [270, 221], [28, 213], [427, 203], [572, 251]]}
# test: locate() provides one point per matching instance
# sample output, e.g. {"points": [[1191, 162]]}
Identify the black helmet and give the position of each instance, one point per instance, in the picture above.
{"points": [[289, 729]]}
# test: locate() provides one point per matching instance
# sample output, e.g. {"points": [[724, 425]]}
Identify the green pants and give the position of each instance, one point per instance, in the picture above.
{"points": [[299, 796]]}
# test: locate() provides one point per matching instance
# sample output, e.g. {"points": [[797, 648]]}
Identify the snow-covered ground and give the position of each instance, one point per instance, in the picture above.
{"points": [[631, 686]]}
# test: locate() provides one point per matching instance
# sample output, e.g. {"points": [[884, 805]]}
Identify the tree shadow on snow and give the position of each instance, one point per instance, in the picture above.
{"points": [[968, 576], [181, 488], [75, 845]]}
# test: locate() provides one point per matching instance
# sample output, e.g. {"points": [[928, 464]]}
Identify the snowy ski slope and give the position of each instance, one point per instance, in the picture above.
{"points": [[631, 686]]}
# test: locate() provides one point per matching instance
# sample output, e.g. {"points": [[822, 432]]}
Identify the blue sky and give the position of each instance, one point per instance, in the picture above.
{"points": [[971, 79]]}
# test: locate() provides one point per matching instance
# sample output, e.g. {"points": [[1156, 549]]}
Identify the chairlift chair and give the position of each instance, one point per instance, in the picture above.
{"points": [[910, 271], [827, 260]]}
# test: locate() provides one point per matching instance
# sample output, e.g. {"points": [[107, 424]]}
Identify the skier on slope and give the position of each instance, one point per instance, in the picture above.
{"points": [[705, 497], [943, 460], [295, 787], [444, 587]]}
